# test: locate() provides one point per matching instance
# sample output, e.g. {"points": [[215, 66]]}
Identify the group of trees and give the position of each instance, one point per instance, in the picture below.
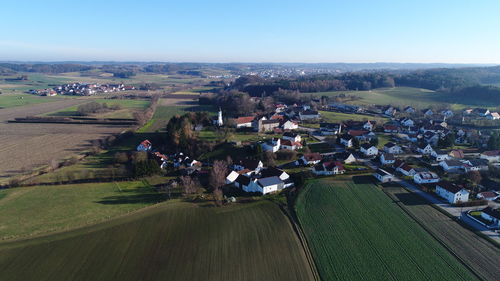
{"points": [[46, 68], [494, 141], [95, 107], [181, 135]]}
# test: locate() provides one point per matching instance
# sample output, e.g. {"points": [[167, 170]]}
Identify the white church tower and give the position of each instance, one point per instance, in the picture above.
{"points": [[219, 119]]}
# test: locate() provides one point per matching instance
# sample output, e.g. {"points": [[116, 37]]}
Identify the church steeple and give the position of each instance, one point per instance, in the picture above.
{"points": [[219, 119]]}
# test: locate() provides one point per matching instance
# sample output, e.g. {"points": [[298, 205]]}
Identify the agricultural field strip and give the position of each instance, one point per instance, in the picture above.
{"points": [[180, 243], [352, 218], [478, 253]]}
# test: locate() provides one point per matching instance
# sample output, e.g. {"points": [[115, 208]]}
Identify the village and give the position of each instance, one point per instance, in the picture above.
{"points": [[81, 89], [449, 165]]}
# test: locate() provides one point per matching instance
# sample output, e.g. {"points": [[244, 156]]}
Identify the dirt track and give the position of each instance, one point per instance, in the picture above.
{"points": [[26, 146]]}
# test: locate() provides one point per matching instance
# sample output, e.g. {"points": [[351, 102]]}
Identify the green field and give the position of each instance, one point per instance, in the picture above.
{"points": [[127, 106], [403, 96], [356, 233], [337, 117], [13, 100], [170, 241], [33, 210]]}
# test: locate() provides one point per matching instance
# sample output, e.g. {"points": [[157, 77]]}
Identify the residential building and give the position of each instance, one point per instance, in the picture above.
{"points": [[383, 176], [425, 149], [409, 109], [425, 177], [457, 154], [267, 125], [272, 145], [244, 122], [309, 159], [290, 125], [252, 165], [368, 149], [145, 145], [387, 159], [265, 185], [330, 128], [392, 148], [440, 155], [492, 215], [328, 168], [491, 156], [451, 192], [290, 145], [308, 115], [345, 157], [493, 116], [451, 165], [292, 137], [488, 195], [346, 140]]}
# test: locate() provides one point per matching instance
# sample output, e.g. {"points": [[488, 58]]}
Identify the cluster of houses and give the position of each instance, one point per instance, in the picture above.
{"points": [[481, 113], [176, 160], [252, 176], [81, 89], [283, 119]]}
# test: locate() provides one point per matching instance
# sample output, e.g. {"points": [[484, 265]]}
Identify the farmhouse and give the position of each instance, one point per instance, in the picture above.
{"points": [[265, 185], [493, 116], [425, 177], [145, 145], [368, 149], [492, 215], [387, 159], [451, 192], [383, 175], [392, 148], [244, 122], [274, 172], [267, 125]]}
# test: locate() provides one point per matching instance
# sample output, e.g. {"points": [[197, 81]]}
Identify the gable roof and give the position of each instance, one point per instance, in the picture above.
{"points": [[263, 182], [367, 146], [457, 153], [271, 172], [244, 119], [249, 164], [313, 156], [449, 186], [243, 180]]}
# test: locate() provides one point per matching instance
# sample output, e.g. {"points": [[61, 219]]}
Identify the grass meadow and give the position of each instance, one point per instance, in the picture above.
{"points": [[355, 231], [169, 241]]}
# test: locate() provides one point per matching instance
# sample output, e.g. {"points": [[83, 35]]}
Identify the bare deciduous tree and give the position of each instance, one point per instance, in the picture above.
{"points": [[218, 174]]}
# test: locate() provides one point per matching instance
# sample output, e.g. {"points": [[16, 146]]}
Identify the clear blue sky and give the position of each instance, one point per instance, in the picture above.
{"points": [[459, 31]]}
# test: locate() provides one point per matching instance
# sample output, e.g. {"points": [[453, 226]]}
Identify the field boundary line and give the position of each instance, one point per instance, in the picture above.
{"points": [[402, 207]]}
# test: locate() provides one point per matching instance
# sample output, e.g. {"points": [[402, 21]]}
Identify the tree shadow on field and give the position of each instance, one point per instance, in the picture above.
{"points": [[133, 197], [366, 179]]}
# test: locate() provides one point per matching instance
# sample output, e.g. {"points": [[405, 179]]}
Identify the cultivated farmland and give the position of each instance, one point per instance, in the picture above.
{"points": [[480, 255], [356, 233], [170, 241], [27, 146]]}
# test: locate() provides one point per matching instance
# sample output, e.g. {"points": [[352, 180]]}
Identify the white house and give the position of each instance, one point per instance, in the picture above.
{"points": [[290, 145], [290, 125], [265, 185], [387, 159], [451, 192], [427, 112], [383, 175], [425, 177], [392, 148], [493, 116], [292, 137], [440, 155], [447, 113], [492, 215], [425, 149], [346, 140], [232, 177], [145, 145], [405, 169], [346, 157], [309, 159], [475, 165], [368, 126], [328, 168], [272, 145], [451, 165], [368, 149]]}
